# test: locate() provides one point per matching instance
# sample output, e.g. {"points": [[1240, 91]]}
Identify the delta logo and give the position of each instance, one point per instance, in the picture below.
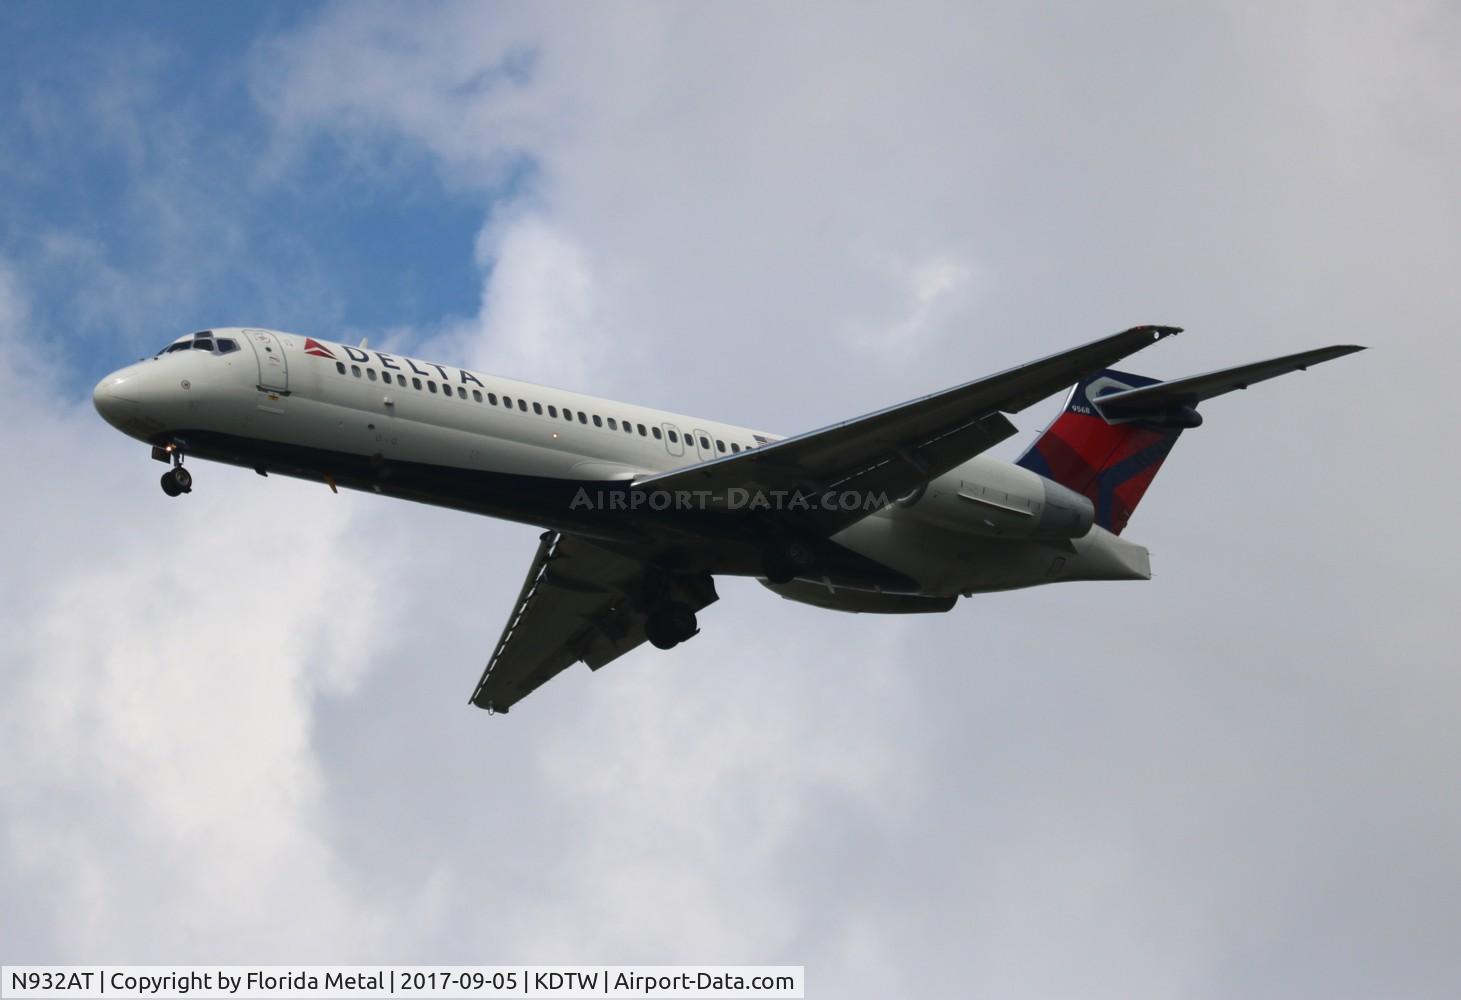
{"points": [[312, 346]]}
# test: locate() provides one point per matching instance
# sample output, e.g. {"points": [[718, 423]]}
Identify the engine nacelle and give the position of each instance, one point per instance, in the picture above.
{"points": [[998, 500]]}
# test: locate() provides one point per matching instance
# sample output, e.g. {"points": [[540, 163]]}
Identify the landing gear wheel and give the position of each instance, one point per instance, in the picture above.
{"points": [[176, 481], [657, 632], [671, 625]]}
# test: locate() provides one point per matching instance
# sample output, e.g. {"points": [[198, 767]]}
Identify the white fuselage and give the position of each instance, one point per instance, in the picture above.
{"points": [[364, 419]]}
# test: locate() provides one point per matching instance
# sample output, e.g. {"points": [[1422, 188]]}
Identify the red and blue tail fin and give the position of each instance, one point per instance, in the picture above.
{"points": [[1116, 429], [1110, 462]]}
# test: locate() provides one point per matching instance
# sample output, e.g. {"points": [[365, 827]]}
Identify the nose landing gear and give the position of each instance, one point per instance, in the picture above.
{"points": [[177, 480]]}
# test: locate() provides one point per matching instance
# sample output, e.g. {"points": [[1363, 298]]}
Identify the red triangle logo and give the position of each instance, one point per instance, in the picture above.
{"points": [[314, 347]]}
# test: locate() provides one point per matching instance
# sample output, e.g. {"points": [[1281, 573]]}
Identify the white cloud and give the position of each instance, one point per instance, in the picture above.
{"points": [[540, 313], [1235, 780]]}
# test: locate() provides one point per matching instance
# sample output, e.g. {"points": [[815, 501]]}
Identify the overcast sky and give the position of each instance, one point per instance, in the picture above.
{"points": [[235, 724]]}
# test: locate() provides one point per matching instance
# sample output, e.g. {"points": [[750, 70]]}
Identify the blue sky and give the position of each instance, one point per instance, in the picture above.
{"points": [[1237, 780], [110, 102]]}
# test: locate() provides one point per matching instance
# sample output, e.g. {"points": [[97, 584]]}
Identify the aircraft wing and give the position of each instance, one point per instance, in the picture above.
{"points": [[894, 451], [575, 605]]}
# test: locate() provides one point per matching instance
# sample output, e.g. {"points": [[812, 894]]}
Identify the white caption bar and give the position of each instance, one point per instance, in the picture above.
{"points": [[483, 982]]}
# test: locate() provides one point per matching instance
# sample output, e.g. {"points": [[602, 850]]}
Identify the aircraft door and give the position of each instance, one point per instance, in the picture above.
{"points": [[674, 444], [273, 366], [705, 443]]}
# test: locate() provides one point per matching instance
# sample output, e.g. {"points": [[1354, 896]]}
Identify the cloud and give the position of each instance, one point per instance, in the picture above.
{"points": [[539, 317], [1235, 780]]}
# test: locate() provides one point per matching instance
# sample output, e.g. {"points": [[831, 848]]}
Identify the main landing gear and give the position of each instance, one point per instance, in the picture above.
{"points": [[670, 624], [177, 480]]}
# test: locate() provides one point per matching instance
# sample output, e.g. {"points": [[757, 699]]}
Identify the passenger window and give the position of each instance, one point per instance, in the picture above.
{"points": [[507, 401], [719, 445], [430, 385], [492, 398], [340, 367], [642, 432], [657, 434], [385, 377], [552, 410], [370, 374], [355, 370], [582, 417], [227, 346], [567, 414], [538, 409], [522, 404], [674, 438], [613, 425], [735, 447], [597, 421], [461, 392], [415, 382], [628, 427], [476, 396]]}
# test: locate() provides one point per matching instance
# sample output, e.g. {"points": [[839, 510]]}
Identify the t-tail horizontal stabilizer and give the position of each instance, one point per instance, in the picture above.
{"points": [[1177, 400], [1117, 429]]}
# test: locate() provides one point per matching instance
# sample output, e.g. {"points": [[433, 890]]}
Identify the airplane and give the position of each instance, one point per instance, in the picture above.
{"points": [[898, 511]]}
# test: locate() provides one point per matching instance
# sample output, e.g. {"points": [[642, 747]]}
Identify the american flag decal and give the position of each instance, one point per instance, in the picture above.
{"points": [[312, 346]]}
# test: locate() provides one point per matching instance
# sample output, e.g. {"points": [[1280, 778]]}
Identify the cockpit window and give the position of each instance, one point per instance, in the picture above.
{"points": [[200, 341]]}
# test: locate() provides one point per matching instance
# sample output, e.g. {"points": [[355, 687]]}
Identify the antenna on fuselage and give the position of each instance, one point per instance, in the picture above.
{"points": [[364, 343]]}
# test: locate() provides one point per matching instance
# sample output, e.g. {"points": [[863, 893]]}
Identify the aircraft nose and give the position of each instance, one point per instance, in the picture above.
{"points": [[113, 402]]}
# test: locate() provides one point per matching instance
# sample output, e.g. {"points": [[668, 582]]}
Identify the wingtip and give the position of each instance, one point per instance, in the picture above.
{"points": [[1158, 332]]}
